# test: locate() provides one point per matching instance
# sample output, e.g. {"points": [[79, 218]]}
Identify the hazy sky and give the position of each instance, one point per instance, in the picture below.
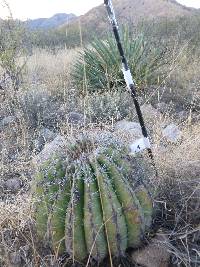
{"points": [[24, 9]]}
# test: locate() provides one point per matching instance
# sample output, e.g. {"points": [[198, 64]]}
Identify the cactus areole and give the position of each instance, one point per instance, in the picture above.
{"points": [[87, 207]]}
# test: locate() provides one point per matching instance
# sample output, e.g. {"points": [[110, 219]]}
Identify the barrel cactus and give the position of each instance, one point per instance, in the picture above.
{"points": [[87, 204]]}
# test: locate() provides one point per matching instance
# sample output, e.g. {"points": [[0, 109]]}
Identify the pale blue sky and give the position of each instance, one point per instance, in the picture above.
{"points": [[24, 9], [191, 3]]}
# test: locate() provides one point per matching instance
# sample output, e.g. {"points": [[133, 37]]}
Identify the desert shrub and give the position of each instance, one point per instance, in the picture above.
{"points": [[108, 106], [166, 31], [98, 67], [50, 39], [12, 48], [56, 38], [36, 107], [180, 217]]}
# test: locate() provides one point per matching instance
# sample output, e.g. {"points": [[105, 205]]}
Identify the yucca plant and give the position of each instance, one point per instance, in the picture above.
{"points": [[98, 67], [86, 205]]}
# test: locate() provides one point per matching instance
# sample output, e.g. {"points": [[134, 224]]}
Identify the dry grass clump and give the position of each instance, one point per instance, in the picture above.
{"points": [[51, 70], [17, 213], [184, 83], [178, 164], [179, 216], [14, 218], [183, 159], [15, 141], [179, 197], [178, 209], [19, 245]]}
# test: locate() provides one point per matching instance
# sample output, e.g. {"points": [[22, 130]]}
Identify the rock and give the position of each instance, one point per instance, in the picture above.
{"points": [[15, 259], [102, 137], [153, 255], [127, 131], [151, 115], [12, 185], [56, 147], [7, 121], [183, 116], [1, 187], [162, 107], [172, 133], [149, 112], [56, 115], [129, 126], [39, 144], [54, 119], [75, 118], [45, 136]]}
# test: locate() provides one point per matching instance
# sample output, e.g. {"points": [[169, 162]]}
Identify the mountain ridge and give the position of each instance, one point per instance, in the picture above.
{"points": [[51, 22], [133, 11], [126, 11]]}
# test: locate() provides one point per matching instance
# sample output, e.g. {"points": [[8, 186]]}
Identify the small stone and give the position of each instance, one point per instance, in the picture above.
{"points": [[172, 133], [75, 118], [15, 259], [7, 121], [56, 147], [47, 134], [127, 132], [149, 112], [162, 107], [13, 185], [153, 255], [183, 115], [2, 186], [128, 126]]}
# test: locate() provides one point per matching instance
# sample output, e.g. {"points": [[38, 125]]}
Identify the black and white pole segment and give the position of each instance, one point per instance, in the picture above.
{"points": [[145, 143]]}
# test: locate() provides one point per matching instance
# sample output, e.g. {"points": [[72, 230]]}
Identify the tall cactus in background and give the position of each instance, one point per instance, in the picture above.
{"points": [[86, 204]]}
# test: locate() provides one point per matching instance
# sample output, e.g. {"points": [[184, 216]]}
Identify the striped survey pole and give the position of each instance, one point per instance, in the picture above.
{"points": [[144, 142]]}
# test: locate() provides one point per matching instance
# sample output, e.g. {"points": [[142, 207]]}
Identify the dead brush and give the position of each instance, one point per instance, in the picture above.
{"points": [[13, 226], [19, 245], [179, 197], [180, 216], [56, 77]]}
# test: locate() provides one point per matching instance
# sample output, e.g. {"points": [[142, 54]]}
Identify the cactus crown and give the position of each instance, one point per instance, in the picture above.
{"points": [[86, 205]]}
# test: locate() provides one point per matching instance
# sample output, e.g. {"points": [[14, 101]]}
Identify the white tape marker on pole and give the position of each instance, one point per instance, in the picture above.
{"points": [[140, 145], [112, 14], [128, 77]]}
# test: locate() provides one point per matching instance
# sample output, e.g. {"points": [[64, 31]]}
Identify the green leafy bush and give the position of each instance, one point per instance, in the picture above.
{"points": [[99, 66]]}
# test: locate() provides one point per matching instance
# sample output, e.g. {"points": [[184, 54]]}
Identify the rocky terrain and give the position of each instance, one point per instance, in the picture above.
{"points": [[42, 125], [133, 11], [42, 111]]}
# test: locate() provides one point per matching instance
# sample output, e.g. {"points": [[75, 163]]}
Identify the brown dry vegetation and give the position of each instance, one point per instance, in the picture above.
{"points": [[178, 168], [47, 92]]}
